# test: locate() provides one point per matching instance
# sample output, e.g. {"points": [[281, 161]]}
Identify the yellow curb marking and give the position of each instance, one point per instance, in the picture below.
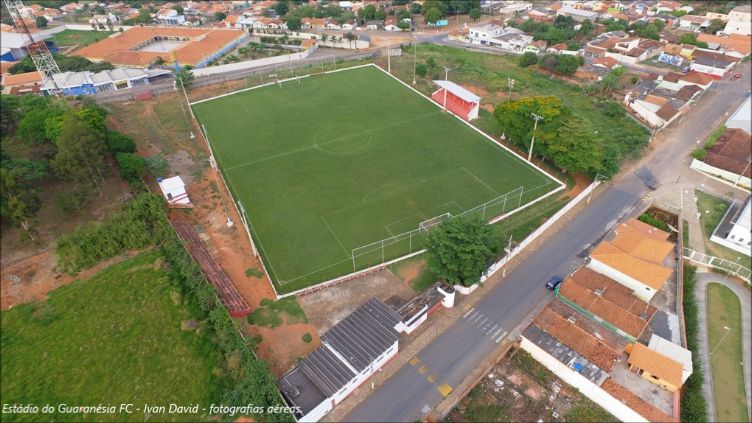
{"points": [[444, 389], [432, 378], [423, 369], [415, 360]]}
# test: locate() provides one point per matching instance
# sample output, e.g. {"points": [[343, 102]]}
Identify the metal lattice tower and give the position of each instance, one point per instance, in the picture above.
{"points": [[40, 54]]}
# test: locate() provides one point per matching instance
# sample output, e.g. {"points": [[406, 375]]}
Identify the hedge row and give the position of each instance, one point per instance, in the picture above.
{"points": [[140, 223], [693, 403], [250, 381]]}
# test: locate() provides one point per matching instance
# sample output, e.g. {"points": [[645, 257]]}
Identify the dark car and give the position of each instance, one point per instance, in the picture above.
{"points": [[553, 282]]}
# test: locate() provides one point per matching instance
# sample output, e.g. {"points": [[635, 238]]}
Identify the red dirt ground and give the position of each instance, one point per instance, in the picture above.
{"points": [[475, 89]]}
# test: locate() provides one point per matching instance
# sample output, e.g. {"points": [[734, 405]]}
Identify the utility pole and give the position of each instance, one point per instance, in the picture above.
{"points": [[536, 118], [415, 57], [446, 78], [510, 83], [388, 58]]}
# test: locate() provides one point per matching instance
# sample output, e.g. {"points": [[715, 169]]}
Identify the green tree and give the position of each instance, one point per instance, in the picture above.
{"points": [[281, 7], [567, 64], [586, 27], [715, 26], [32, 129], [80, 154], [294, 23], [528, 59], [10, 113], [144, 17], [306, 11], [432, 15], [19, 192], [692, 39], [380, 14], [459, 249], [119, 143], [159, 61], [575, 148], [131, 166], [416, 8], [421, 70], [220, 16], [179, 9], [403, 25], [475, 14], [184, 77], [41, 22], [515, 118]]}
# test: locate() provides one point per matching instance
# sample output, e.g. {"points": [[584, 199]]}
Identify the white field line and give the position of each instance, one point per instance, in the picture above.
{"points": [[276, 82], [335, 236], [480, 180], [490, 138]]}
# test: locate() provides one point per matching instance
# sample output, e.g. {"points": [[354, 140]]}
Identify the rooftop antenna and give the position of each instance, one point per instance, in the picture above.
{"points": [[40, 54]]}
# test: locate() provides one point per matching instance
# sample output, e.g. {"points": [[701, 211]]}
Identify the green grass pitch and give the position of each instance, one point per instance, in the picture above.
{"points": [[333, 162]]}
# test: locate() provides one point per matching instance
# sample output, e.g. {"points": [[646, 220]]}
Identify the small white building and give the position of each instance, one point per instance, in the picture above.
{"points": [[169, 17], [482, 34], [579, 15], [742, 117], [674, 352], [735, 229], [174, 192]]}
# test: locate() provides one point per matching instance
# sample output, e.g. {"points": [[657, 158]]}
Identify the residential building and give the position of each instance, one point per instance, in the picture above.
{"points": [[735, 229], [712, 63], [351, 352], [674, 352], [740, 21], [374, 25], [729, 158], [578, 15], [733, 45], [693, 23], [169, 17], [390, 24], [656, 367], [742, 117], [483, 33], [22, 83], [635, 257], [607, 302]]}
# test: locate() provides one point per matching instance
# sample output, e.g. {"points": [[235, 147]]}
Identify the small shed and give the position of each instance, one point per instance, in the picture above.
{"points": [[174, 191]]}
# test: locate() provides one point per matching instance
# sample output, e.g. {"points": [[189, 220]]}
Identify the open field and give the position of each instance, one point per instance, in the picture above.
{"points": [[331, 163], [521, 389], [725, 347], [119, 337], [72, 37]]}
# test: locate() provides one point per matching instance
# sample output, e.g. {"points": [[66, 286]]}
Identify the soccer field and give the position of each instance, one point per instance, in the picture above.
{"points": [[327, 164]]}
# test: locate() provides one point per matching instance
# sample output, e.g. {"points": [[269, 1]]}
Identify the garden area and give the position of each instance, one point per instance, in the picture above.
{"points": [[521, 389], [725, 347]]}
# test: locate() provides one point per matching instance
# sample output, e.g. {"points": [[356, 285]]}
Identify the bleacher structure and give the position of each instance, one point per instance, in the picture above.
{"points": [[456, 99]]}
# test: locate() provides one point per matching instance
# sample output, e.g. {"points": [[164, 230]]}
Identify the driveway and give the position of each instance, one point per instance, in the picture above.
{"points": [[745, 298]]}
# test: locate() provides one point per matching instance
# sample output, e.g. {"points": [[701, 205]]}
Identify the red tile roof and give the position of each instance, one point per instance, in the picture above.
{"points": [[731, 152], [608, 299], [639, 405], [576, 338]]}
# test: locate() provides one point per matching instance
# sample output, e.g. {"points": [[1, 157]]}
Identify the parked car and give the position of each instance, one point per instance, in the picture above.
{"points": [[553, 282], [736, 76]]}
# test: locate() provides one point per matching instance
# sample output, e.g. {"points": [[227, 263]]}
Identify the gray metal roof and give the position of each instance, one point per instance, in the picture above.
{"points": [[564, 354], [365, 334], [300, 391], [326, 370], [359, 338]]}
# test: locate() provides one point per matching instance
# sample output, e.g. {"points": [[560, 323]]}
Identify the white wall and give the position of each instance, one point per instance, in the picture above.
{"points": [[708, 69], [588, 388], [720, 173], [81, 27], [647, 110], [639, 289], [250, 64], [319, 412], [366, 373]]}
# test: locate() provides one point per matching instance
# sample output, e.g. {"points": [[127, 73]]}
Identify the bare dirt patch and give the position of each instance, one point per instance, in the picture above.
{"points": [[32, 278], [326, 307], [476, 89], [581, 181], [488, 106], [410, 271]]}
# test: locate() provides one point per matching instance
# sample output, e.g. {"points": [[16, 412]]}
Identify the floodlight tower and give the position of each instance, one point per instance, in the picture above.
{"points": [[40, 54]]}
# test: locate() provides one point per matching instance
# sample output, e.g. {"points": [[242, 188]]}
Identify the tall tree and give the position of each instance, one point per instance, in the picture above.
{"points": [[515, 118], [575, 148], [184, 78], [459, 249], [19, 191], [80, 153]]}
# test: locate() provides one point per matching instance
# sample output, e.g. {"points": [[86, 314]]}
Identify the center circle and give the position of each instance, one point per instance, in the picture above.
{"points": [[343, 139]]}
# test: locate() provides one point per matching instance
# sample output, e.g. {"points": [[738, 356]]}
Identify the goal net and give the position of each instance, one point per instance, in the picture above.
{"points": [[427, 224]]}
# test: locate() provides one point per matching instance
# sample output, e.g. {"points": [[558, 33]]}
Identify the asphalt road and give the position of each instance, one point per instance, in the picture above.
{"points": [[409, 395]]}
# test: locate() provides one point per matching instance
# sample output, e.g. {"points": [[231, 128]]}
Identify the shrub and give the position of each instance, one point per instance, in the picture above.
{"points": [[69, 202], [119, 143], [307, 338], [693, 404], [699, 154], [157, 165], [131, 166], [655, 222], [528, 59], [421, 70]]}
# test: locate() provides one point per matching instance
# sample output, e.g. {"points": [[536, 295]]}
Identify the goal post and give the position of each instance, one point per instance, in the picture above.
{"points": [[427, 224]]}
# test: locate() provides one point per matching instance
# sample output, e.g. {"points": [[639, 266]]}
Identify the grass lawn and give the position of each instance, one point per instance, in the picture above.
{"points": [[115, 338], [71, 37], [339, 161], [712, 210], [271, 313], [725, 346]]}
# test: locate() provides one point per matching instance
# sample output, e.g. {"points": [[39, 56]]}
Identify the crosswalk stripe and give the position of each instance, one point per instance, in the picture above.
{"points": [[501, 337], [468, 313]]}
